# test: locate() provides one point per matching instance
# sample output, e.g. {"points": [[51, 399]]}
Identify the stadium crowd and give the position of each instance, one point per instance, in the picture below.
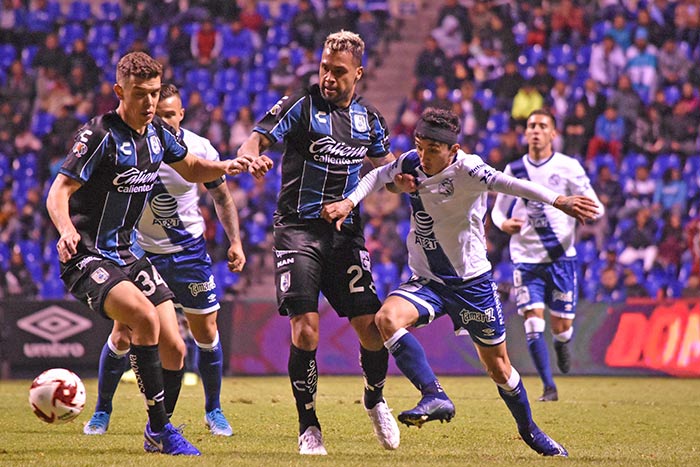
{"points": [[622, 79]]}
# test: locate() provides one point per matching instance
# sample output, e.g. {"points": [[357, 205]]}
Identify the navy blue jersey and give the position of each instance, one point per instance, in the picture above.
{"points": [[117, 168], [325, 147]]}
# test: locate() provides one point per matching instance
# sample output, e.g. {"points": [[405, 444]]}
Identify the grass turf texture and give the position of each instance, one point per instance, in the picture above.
{"points": [[601, 421]]}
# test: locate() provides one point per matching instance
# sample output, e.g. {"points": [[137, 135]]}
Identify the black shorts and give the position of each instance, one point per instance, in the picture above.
{"points": [[90, 278], [313, 257]]}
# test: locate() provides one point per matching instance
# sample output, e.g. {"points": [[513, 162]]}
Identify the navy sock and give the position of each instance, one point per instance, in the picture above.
{"points": [[411, 360], [145, 361], [172, 383], [211, 368], [519, 406], [374, 367], [304, 377], [111, 369], [537, 346]]}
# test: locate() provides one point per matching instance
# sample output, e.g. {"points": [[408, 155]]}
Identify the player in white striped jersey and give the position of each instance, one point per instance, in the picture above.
{"points": [[542, 246], [451, 274], [171, 231]]}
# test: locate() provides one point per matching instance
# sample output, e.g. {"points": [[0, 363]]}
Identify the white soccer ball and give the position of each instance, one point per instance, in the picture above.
{"points": [[57, 396]]}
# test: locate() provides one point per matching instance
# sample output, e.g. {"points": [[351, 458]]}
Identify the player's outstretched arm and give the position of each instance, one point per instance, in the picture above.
{"points": [[197, 170], [578, 206]]}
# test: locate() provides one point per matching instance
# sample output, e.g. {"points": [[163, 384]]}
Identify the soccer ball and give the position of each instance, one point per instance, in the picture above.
{"points": [[57, 396]]}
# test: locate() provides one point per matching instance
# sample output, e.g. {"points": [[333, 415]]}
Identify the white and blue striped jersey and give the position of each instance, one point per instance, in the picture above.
{"points": [[547, 234], [446, 242], [172, 220]]}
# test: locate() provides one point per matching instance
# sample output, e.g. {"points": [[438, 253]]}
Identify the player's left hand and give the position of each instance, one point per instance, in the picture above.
{"points": [[406, 183], [237, 165], [580, 207], [260, 166], [236, 257], [337, 212]]}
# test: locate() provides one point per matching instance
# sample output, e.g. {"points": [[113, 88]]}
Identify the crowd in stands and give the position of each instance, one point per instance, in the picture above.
{"points": [[622, 79]]}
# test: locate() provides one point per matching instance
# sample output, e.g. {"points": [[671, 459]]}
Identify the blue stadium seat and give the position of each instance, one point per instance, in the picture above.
{"points": [[199, 78], [27, 55], [234, 101], [211, 97], [279, 35], [583, 56], [127, 36], [41, 123], [52, 289], [534, 54], [158, 35], [598, 31], [503, 272], [586, 252], [629, 164], [672, 94], [662, 163], [286, 12], [601, 160], [69, 33], [561, 55], [110, 11], [498, 122], [8, 54], [691, 175], [101, 35], [227, 80], [223, 277], [400, 143], [79, 11], [255, 80], [486, 98]]}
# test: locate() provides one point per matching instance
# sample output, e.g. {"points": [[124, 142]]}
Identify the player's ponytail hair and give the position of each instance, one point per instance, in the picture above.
{"points": [[346, 41]]}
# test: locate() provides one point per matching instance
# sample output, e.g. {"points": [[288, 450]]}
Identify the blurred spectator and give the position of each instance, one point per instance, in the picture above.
{"points": [[687, 22], [638, 191], [307, 70], [50, 56], [692, 287], [650, 133], [641, 65], [537, 27], [632, 287], [448, 36], [305, 25], [609, 192], [52, 93], [336, 17], [60, 139], [558, 101], [459, 70], [486, 62], [473, 115], [593, 98], [671, 193], [441, 96], [692, 233], [143, 14], [608, 135], [11, 27], [452, 8], [206, 44], [409, 112], [674, 64], [640, 240], [578, 129], [542, 80], [217, 130], [673, 243], [607, 61], [283, 75], [178, 46], [620, 31], [508, 85], [501, 38], [511, 145], [683, 122], [496, 160], [525, 101], [480, 19], [241, 128], [609, 289], [19, 89], [626, 101], [25, 140], [197, 114], [431, 62], [655, 31], [660, 103], [105, 100], [251, 19], [82, 93], [17, 282], [80, 57], [568, 24]]}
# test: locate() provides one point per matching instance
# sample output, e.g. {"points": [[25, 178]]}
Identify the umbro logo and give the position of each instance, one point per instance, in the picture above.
{"points": [[54, 324]]}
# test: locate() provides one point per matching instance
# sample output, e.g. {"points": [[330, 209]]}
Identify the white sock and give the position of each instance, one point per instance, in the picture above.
{"points": [[534, 324], [394, 339], [512, 382], [564, 336], [114, 349], [208, 346]]}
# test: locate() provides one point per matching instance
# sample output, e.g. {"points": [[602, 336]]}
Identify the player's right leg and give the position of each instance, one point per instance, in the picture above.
{"points": [[401, 310], [511, 389], [172, 350], [113, 363]]}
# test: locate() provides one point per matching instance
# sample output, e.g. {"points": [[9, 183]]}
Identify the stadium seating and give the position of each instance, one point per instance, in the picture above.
{"points": [[8, 54]]}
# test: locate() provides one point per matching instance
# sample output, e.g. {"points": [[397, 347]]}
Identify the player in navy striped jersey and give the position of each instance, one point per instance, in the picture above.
{"points": [[171, 231], [451, 274], [542, 246], [328, 131], [95, 202]]}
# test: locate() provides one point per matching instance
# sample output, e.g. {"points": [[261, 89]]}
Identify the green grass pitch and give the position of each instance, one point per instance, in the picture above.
{"points": [[602, 421]]}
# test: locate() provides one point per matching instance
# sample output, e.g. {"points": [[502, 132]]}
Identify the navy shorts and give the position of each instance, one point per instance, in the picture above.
{"points": [[312, 257], [90, 278], [189, 275], [473, 306], [552, 284]]}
